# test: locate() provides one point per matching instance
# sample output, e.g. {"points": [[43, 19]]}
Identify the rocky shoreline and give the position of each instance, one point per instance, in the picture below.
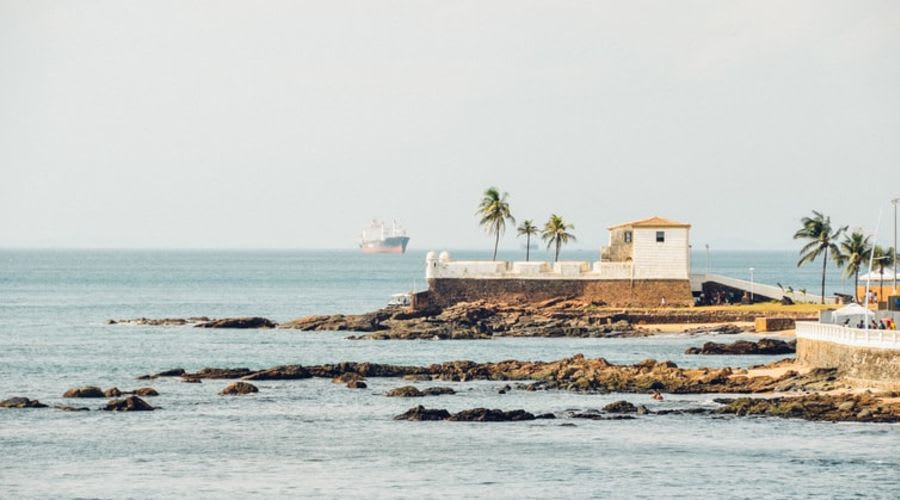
{"points": [[817, 394], [485, 320]]}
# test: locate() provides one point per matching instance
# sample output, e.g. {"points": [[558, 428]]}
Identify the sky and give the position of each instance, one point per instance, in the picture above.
{"points": [[291, 124]]}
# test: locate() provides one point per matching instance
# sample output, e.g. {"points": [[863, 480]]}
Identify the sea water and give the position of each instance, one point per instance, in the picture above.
{"points": [[314, 438]]}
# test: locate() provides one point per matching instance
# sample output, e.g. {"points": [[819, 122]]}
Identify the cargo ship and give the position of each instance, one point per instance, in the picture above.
{"points": [[378, 239]]}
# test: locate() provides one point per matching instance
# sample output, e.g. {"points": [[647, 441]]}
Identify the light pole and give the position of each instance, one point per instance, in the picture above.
{"points": [[751, 285], [707, 259], [894, 288]]}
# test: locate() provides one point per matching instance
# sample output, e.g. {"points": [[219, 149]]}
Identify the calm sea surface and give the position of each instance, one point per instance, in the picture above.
{"points": [[314, 438]]}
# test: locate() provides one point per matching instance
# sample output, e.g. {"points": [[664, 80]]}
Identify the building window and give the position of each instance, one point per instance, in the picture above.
{"points": [[627, 236], [660, 236]]}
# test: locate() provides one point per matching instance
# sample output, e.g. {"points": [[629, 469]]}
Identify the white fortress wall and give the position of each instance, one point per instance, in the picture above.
{"points": [[667, 260], [444, 268]]}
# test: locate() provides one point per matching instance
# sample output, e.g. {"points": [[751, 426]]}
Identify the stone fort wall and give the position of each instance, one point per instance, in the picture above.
{"points": [[443, 292], [878, 366]]}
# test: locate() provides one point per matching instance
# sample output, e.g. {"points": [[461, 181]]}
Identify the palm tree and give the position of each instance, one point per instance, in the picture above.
{"points": [[855, 250], [818, 229], [882, 258], [527, 228], [556, 232], [494, 213]]}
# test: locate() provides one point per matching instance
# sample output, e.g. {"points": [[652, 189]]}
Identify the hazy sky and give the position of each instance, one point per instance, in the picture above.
{"points": [[291, 124]]}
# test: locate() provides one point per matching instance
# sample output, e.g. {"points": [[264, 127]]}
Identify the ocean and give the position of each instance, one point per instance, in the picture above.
{"points": [[314, 438]]}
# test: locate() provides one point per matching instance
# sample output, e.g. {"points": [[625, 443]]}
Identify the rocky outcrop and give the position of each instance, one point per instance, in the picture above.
{"points": [[577, 374], [283, 372], [491, 415], [250, 322], [131, 403], [356, 384], [346, 378], [420, 413], [158, 322], [71, 408], [112, 392], [239, 389], [174, 372], [144, 391], [835, 408], [726, 329], [20, 402], [742, 347], [620, 407], [87, 391], [407, 391], [438, 391]]}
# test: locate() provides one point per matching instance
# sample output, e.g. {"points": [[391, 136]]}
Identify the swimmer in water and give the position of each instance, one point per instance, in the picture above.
{"points": [[656, 395]]}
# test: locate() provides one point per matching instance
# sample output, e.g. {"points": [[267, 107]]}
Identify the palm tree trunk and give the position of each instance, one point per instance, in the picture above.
{"points": [[557, 252], [527, 246], [880, 286], [856, 285], [824, 264], [496, 243]]}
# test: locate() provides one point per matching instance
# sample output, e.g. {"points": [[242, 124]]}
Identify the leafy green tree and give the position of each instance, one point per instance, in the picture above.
{"points": [[882, 258], [494, 213], [822, 239], [556, 233], [854, 252], [527, 229]]}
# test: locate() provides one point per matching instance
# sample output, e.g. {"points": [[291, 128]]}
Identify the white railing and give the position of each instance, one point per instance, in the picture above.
{"points": [[857, 337]]}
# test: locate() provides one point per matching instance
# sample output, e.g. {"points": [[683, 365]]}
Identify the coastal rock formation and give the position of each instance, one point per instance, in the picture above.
{"points": [[346, 378], [239, 389], [87, 391], [356, 384], [836, 408], [131, 403], [577, 374], [552, 318], [144, 391], [741, 347], [158, 322], [250, 322], [112, 392], [71, 408], [174, 372], [620, 407], [491, 415], [409, 391], [420, 413], [283, 372], [20, 402]]}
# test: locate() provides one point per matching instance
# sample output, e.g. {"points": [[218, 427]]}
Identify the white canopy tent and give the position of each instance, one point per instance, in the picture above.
{"points": [[874, 276], [853, 312]]}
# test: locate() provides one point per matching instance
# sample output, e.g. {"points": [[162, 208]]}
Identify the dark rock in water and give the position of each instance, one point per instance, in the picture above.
{"points": [[346, 378], [144, 391], [834, 408], [131, 403], [356, 384], [238, 389], [421, 413], [71, 408], [219, 373], [503, 390], [112, 392], [643, 410], [684, 411], [407, 391], [597, 416], [252, 322], [157, 321], [491, 415], [174, 372], [727, 329], [548, 416], [283, 372], [192, 381], [87, 391], [620, 407], [19, 402], [438, 391], [417, 377], [742, 347]]}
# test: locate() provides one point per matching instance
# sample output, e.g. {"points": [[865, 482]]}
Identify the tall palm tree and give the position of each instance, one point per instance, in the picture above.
{"points": [[855, 250], [527, 228], [556, 232], [882, 258], [494, 213], [822, 238]]}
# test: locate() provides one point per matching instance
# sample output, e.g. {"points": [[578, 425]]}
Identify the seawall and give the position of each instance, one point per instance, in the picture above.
{"points": [[443, 292], [879, 366]]}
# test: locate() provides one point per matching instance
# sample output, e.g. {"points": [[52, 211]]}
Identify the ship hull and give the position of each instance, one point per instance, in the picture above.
{"points": [[395, 244]]}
